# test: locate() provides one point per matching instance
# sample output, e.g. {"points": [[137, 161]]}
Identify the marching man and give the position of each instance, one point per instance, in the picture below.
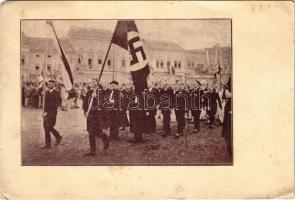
{"points": [[93, 111], [52, 101]]}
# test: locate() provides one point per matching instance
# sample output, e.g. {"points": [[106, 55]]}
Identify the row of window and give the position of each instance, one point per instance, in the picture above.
{"points": [[99, 62], [37, 67], [171, 71], [37, 55], [199, 66], [190, 64], [160, 64], [23, 58], [109, 63]]}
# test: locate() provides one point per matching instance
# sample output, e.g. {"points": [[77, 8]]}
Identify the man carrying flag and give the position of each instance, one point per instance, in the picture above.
{"points": [[52, 99], [126, 36]]}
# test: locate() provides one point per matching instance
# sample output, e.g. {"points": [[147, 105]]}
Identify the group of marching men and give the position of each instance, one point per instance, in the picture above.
{"points": [[108, 106]]}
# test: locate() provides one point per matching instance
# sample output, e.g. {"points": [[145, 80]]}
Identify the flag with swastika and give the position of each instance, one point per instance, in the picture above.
{"points": [[126, 35]]}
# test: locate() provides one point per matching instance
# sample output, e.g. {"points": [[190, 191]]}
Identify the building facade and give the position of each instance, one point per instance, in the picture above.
{"points": [[85, 49], [202, 64]]}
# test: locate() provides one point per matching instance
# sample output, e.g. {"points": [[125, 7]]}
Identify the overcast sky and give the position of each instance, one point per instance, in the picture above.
{"points": [[189, 34]]}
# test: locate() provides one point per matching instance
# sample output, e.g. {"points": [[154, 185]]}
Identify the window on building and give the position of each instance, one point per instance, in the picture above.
{"points": [[168, 63], [157, 64], [37, 55], [109, 62], [80, 58], [23, 61], [49, 56], [192, 64], [89, 61], [99, 61], [37, 67], [77, 68], [123, 63], [48, 67], [179, 65], [188, 64], [175, 63], [161, 64]]}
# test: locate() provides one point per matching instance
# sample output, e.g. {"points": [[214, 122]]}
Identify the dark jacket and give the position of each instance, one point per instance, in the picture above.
{"points": [[97, 107], [166, 100], [115, 96], [52, 101], [156, 93], [214, 98], [181, 100], [227, 126], [196, 100]]}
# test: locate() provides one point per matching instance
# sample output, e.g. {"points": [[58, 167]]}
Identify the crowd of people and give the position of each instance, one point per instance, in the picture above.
{"points": [[117, 106], [32, 95]]}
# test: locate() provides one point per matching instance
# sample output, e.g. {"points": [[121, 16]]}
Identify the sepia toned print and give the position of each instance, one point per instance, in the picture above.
{"points": [[262, 77], [126, 92]]}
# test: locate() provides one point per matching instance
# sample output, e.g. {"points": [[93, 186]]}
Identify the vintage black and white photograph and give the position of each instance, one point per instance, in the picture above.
{"points": [[126, 92]]}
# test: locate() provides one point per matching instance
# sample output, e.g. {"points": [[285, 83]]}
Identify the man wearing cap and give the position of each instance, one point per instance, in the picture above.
{"points": [[52, 102], [181, 105], [166, 103], [214, 99], [114, 113], [196, 104]]}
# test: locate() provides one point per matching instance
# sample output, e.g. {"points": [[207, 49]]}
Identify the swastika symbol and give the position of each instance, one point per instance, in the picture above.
{"points": [[132, 43]]}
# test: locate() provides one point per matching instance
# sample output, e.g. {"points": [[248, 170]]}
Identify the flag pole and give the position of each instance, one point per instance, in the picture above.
{"points": [[100, 74], [63, 55], [219, 64], [113, 64], [43, 71]]}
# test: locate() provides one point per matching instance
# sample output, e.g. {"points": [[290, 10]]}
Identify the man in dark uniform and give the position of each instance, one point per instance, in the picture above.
{"points": [[114, 112], [214, 99], [196, 105], [52, 101], [129, 93], [123, 109], [165, 105], [138, 117], [181, 105], [227, 121], [153, 111], [93, 111], [105, 118]]}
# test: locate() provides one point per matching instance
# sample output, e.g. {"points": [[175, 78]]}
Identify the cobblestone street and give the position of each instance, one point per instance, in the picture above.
{"points": [[206, 147]]}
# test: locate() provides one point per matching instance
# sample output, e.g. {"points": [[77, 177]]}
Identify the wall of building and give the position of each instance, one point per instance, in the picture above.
{"points": [[86, 53]]}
